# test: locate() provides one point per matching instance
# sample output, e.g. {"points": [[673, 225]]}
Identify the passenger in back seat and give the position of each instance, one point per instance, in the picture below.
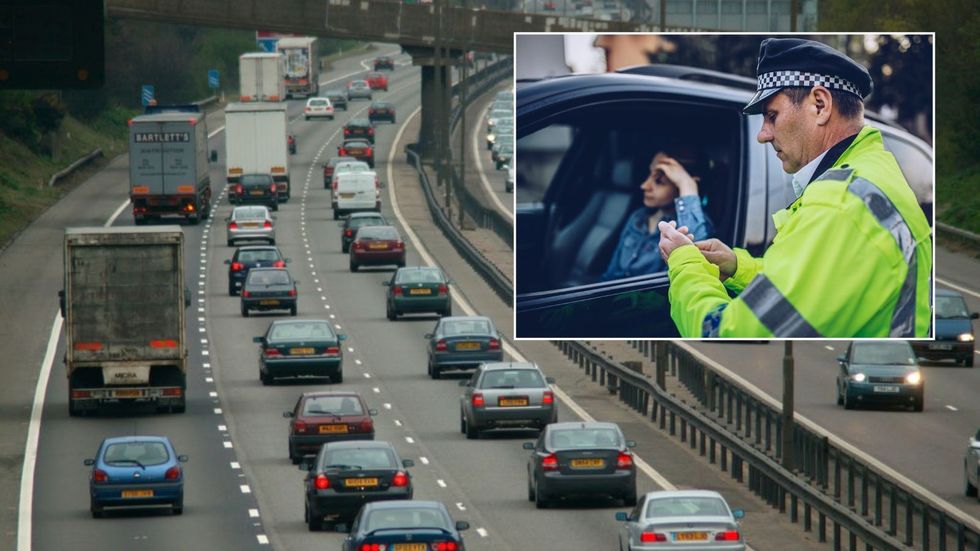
{"points": [[669, 193]]}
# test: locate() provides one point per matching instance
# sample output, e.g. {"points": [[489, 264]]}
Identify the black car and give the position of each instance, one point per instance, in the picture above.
{"points": [[382, 111], [359, 129], [269, 289], [337, 97], [246, 258], [362, 150], [584, 144], [410, 525], [575, 459], [296, 348], [346, 475], [384, 62], [354, 221], [256, 189]]}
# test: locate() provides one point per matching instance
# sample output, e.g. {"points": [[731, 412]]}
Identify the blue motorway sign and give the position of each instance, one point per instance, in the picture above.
{"points": [[147, 94], [213, 78], [267, 44]]}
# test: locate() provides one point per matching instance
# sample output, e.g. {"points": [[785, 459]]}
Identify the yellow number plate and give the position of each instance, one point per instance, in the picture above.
{"points": [[422, 291], [127, 394], [410, 547], [301, 351], [520, 402], [333, 429], [587, 463], [257, 192], [378, 246], [360, 482], [467, 346], [691, 536], [347, 195], [268, 302], [250, 225], [137, 493]]}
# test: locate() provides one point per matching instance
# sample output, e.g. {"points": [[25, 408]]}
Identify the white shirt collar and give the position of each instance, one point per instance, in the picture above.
{"points": [[803, 175]]}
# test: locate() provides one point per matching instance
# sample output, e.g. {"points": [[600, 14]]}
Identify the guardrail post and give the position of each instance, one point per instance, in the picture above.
{"points": [[683, 430], [925, 527], [850, 483], [864, 491], [877, 500], [711, 451], [807, 524], [703, 443], [852, 541], [748, 417], [794, 515], [909, 514], [821, 527], [673, 423], [724, 458], [942, 531], [836, 536], [892, 510]]}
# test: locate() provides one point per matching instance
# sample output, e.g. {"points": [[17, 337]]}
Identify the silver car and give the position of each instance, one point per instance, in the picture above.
{"points": [[358, 89], [506, 395], [251, 222], [692, 520], [971, 467]]}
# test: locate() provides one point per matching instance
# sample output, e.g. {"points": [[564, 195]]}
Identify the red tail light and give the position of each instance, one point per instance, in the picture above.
{"points": [[332, 350], [99, 476], [370, 151], [347, 132], [357, 245], [333, 184], [240, 189], [268, 224], [273, 188], [365, 426], [370, 131], [271, 352], [477, 400], [279, 264], [370, 111], [399, 244], [445, 546], [398, 291], [172, 391], [440, 345], [651, 537], [299, 426], [237, 266], [321, 482], [173, 473], [342, 152], [443, 288], [233, 225], [400, 480], [348, 233], [246, 294], [292, 292], [624, 461], [548, 398], [549, 462], [377, 183], [730, 535], [370, 547], [494, 344]]}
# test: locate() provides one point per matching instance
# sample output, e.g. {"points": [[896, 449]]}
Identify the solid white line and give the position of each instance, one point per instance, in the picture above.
{"points": [[112, 219], [951, 408], [958, 288], [477, 154], [26, 506], [831, 348], [262, 538]]}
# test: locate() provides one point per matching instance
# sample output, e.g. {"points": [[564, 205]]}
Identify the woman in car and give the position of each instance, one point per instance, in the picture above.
{"points": [[669, 194]]}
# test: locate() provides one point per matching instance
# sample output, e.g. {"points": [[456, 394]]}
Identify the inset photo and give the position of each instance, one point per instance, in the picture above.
{"points": [[724, 186]]}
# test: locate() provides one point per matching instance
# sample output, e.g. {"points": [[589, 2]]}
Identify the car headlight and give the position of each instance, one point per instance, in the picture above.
{"points": [[965, 337], [491, 137], [913, 378], [859, 377]]}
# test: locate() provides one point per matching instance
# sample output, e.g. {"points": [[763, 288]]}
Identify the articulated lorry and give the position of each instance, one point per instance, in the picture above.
{"points": [[123, 304], [255, 143], [168, 166], [302, 65], [262, 77]]}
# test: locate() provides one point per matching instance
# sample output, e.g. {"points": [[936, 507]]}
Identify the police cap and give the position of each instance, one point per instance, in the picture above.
{"points": [[795, 62]]}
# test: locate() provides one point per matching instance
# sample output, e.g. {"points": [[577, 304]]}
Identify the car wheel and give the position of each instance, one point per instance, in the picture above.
{"points": [[629, 500], [244, 311], [848, 403], [530, 490], [272, 241], [275, 207], [293, 457], [390, 313], [539, 500], [436, 373], [265, 378], [232, 290], [97, 511], [969, 362], [307, 118], [292, 310], [971, 490], [353, 266], [471, 432], [344, 249], [315, 522], [840, 398], [919, 404], [462, 423], [447, 312], [178, 507], [401, 264], [337, 377], [336, 215], [231, 243]]}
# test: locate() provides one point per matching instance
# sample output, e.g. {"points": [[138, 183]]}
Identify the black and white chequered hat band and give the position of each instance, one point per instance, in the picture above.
{"points": [[783, 79]]}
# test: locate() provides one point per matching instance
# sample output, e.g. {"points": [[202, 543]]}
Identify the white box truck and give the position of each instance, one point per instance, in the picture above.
{"points": [[261, 76], [302, 65], [255, 143]]}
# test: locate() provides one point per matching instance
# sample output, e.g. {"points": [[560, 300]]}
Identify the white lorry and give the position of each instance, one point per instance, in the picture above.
{"points": [[255, 143], [302, 65], [261, 76]]}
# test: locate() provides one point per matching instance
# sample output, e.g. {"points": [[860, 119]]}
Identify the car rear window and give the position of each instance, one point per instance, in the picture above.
{"points": [[686, 507], [301, 330], [147, 453], [364, 458], [366, 221], [512, 378], [419, 276], [256, 179], [380, 519], [883, 353], [335, 405], [359, 84], [466, 327], [268, 277], [249, 213], [377, 232], [584, 438], [258, 256], [950, 307], [319, 102]]}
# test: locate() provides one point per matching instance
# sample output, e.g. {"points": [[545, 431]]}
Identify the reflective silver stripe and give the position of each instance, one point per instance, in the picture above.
{"points": [[774, 310], [882, 208], [836, 174]]}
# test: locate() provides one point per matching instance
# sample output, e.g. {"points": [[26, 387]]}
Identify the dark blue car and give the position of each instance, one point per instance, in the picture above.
{"points": [[879, 372], [136, 471], [954, 331], [400, 524]]}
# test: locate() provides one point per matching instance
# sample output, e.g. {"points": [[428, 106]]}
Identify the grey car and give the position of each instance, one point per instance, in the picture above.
{"points": [[879, 372], [358, 89], [462, 342], [692, 520], [269, 289], [971, 467], [251, 222], [506, 395]]}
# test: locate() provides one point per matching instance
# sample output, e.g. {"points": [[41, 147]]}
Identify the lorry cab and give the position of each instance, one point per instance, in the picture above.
{"points": [[356, 191]]}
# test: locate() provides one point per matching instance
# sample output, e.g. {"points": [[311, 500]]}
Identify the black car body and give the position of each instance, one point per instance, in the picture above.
{"points": [[337, 97], [255, 189], [354, 221], [584, 144], [382, 111], [384, 62], [463, 342], [269, 289], [410, 524], [297, 348], [246, 258], [346, 475], [418, 289], [574, 459], [361, 150], [359, 129], [954, 331]]}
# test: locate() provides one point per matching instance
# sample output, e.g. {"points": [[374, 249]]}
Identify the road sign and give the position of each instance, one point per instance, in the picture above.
{"points": [[213, 78], [267, 44], [147, 94]]}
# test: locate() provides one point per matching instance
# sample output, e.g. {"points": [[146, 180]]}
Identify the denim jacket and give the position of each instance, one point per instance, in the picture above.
{"points": [[638, 251]]}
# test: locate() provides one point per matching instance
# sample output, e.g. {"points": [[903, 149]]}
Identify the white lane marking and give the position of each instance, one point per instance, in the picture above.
{"points": [[213, 394], [262, 538], [112, 219], [205, 353], [206, 365], [460, 506], [217, 411], [441, 483], [209, 379], [200, 309], [482, 532], [202, 319], [215, 133], [409, 439], [831, 348], [245, 489], [376, 390], [202, 330], [222, 428], [951, 408], [253, 513], [367, 375], [477, 153], [235, 465], [337, 326], [398, 423], [464, 304], [350, 349], [424, 460], [358, 362], [26, 506], [227, 444], [386, 405], [958, 288]]}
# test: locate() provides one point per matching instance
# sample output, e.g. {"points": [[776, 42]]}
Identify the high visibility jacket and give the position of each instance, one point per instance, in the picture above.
{"points": [[852, 257]]}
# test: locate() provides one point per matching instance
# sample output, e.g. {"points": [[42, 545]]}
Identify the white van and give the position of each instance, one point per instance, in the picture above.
{"points": [[356, 191]]}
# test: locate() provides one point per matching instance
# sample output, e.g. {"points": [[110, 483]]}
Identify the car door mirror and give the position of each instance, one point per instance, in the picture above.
{"points": [[842, 358], [462, 525], [342, 337], [287, 414], [407, 463], [528, 445], [228, 261], [259, 340], [372, 412], [343, 528], [974, 315], [738, 514], [464, 383], [183, 458], [386, 284], [631, 443], [427, 336], [621, 516], [549, 380], [88, 462], [307, 463]]}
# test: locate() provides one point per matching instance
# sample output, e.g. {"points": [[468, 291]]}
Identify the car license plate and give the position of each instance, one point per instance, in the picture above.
{"points": [[357, 151], [360, 482], [268, 302], [137, 493], [250, 225], [588, 463], [511, 402], [333, 429], [256, 192], [691, 536], [886, 388], [302, 351], [467, 346], [347, 195], [378, 246], [410, 547], [422, 291], [127, 393], [941, 346]]}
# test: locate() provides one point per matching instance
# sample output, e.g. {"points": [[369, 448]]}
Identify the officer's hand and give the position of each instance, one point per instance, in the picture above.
{"points": [[720, 255], [671, 237]]}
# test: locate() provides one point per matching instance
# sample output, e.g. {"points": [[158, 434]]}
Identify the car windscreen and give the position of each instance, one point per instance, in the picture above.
{"points": [[332, 405], [950, 307], [377, 232], [686, 507], [883, 353], [249, 213], [268, 277], [262, 255], [380, 519], [363, 458], [419, 276], [301, 330], [512, 378], [585, 438], [466, 327], [256, 180], [146, 453]]}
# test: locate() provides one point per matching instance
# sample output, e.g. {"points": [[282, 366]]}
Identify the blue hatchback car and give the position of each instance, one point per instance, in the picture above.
{"points": [[954, 331], [136, 471]]}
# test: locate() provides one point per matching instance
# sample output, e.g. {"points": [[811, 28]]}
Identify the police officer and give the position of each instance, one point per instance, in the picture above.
{"points": [[852, 256]]}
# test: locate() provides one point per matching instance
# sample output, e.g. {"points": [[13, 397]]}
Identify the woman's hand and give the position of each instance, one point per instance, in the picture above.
{"points": [[674, 172]]}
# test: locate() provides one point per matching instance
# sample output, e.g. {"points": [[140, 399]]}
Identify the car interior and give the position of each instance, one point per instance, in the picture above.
{"points": [[268, 277], [418, 276], [467, 327], [260, 255], [579, 190], [584, 438], [417, 518], [300, 331], [337, 405], [686, 507], [364, 458], [147, 453]]}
